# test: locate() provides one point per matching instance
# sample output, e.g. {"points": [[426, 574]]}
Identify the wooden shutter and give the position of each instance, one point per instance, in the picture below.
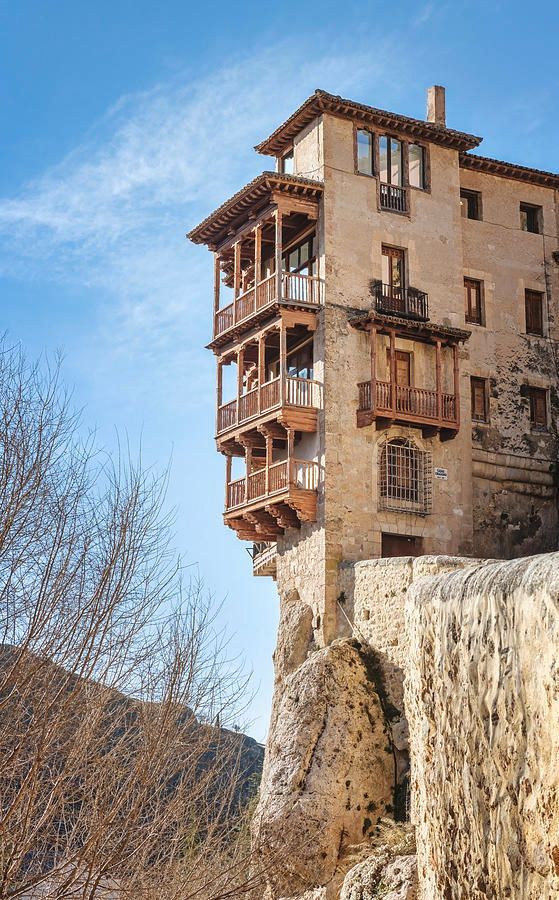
{"points": [[534, 312], [472, 297], [479, 405], [538, 406]]}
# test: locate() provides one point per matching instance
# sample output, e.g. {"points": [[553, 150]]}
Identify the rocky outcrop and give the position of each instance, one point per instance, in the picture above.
{"points": [[382, 875], [329, 773], [482, 700]]}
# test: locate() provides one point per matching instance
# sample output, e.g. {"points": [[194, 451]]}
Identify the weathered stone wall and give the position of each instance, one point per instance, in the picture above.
{"points": [[482, 699]]}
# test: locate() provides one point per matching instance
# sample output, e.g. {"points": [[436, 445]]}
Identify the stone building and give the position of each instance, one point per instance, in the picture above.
{"points": [[386, 327]]}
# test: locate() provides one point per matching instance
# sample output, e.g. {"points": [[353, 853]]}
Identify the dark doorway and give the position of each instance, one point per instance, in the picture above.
{"points": [[401, 545]]}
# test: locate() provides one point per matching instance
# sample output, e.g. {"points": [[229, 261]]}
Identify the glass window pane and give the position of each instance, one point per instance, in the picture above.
{"points": [[383, 158], [287, 164], [417, 167], [396, 162], [365, 152], [293, 261], [304, 253]]}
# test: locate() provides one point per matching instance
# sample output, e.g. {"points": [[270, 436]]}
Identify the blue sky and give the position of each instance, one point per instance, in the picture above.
{"points": [[125, 123]]}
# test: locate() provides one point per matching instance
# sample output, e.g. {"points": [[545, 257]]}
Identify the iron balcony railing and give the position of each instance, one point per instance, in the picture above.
{"points": [[399, 301]]}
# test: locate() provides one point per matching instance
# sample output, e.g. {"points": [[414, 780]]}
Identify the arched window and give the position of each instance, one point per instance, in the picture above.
{"points": [[405, 477]]}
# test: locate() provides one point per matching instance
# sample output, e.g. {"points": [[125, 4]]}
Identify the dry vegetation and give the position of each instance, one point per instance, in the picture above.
{"points": [[113, 782]]}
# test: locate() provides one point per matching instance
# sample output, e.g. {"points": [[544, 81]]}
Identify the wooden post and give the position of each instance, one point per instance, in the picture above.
{"points": [[228, 462], [290, 441], [248, 463], [373, 367], [219, 391], [456, 382], [236, 277], [279, 292], [240, 367], [269, 454], [393, 372], [439, 384], [283, 361], [261, 367], [217, 287], [257, 261]]}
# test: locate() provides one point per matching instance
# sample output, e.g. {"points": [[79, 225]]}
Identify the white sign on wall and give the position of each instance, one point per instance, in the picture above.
{"points": [[441, 473]]}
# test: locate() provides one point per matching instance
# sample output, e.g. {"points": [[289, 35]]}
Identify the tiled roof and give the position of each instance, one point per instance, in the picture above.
{"points": [[509, 170], [215, 226], [321, 101]]}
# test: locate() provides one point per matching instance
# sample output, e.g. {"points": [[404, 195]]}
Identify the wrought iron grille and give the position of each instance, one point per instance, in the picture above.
{"points": [[405, 477]]}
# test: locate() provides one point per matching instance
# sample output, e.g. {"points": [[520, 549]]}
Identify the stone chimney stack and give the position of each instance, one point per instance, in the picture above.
{"points": [[436, 111]]}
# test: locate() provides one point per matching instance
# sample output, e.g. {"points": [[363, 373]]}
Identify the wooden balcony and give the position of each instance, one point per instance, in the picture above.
{"points": [[300, 395], [255, 304], [262, 504], [264, 558], [397, 301], [393, 197], [413, 405]]}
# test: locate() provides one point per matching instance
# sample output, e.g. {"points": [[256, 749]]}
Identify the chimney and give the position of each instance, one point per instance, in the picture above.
{"points": [[436, 105]]}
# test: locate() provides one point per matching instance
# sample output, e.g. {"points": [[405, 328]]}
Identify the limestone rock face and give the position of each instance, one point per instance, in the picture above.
{"points": [[329, 773], [482, 701], [381, 875]]}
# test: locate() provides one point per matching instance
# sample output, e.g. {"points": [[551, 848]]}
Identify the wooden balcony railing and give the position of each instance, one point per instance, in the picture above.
{"points": [[393, 197], [296, 288], [264, 555], [301, 392], [410, 403], [297, 474], [406, 302]]}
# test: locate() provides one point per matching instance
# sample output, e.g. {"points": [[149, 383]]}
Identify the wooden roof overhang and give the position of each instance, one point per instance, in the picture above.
{"points": [[509, 170], [428, 332], [257, 198], [321, 101]]}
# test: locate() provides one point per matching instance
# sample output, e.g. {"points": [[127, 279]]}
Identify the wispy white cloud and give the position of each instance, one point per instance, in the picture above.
{"points": [[113, 213]]}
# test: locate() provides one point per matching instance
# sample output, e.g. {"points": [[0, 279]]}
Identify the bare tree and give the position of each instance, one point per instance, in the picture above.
{"points": [[113, 781]]}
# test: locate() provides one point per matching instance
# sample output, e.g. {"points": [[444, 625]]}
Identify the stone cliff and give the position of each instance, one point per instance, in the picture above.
{"points": [[463, 653]]}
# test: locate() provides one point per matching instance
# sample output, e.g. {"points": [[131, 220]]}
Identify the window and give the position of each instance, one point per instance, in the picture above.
{"points": [[405, 477], [470, 204], [390, 160], [287, 163], [301, 259], [417, 166], [480, 411], [533, 301], [300, 361], [365, 152], [538, 407], [531, 218], [473, 301]]}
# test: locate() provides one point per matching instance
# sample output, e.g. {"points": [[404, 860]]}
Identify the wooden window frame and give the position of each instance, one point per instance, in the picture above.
{"points": [[374, 157], [535, 393], [426, 168], [478, 381], [529, 296], [538, 212], [289, 154], [469, 319], [469, 192]]}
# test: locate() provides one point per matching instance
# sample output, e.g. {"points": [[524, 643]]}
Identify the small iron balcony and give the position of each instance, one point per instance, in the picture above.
{"points": [[398, 301]]}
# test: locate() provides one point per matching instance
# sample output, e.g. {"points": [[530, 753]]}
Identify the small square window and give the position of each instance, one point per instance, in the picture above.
{"points": [[473, 299], [533, 301], [365, 152], [287, 164], [480, 412], [531, 218], [470, 204], [538, 407]]}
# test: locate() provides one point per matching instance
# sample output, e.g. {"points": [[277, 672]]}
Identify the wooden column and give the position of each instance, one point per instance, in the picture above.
{"points": [[236, 277], [278, 219], [269, 454], [217, 287], [456, 382], [240, 366], [439, 383], [373, 367], [261, 367], [290, 442], [393, 372], [228, 462], [248, 463], [283, 361], [257, 261], [219, 392]]}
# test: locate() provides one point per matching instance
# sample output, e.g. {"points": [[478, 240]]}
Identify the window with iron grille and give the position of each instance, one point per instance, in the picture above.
{"points": [[405, 477]]}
